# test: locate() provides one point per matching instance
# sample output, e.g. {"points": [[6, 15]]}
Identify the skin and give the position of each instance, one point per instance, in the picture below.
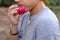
{"points": [[34, 6]]}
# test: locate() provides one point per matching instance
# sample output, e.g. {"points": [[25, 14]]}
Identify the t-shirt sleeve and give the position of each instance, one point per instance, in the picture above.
{"points": [[48, 30]]}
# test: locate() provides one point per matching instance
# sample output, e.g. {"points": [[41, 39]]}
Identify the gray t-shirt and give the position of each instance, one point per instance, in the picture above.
{"points": [[42, 26]]}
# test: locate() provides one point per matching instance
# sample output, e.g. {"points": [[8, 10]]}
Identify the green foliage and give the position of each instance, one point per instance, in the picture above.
{"points": [[6, 2], [55, 8], [0, 1], [53, 2], [48, 2]]}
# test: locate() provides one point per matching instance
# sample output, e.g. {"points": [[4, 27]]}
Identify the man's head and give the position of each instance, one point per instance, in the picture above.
{"points": [[29, 4]]}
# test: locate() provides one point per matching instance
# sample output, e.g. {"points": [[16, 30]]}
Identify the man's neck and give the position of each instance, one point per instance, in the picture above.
{"points": [[37, 8]]}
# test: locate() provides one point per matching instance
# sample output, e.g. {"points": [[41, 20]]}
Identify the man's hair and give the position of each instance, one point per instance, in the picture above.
{"points": [[44, 0]]}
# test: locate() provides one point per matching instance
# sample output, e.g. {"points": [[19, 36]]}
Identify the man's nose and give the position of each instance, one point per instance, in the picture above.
{"points": [[17, 0]]}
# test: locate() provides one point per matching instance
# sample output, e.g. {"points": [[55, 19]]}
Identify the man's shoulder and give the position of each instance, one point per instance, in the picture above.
{"points": [[47, 15]]}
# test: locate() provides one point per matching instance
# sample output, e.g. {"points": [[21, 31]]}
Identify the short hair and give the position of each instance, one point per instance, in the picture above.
{"points": [[44, 0]]}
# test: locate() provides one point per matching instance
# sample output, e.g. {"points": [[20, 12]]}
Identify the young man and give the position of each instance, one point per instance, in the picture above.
{"points": [[38, 24]]}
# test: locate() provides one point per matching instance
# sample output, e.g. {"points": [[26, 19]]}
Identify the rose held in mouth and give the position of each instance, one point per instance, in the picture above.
{"points": [[22, 10]]}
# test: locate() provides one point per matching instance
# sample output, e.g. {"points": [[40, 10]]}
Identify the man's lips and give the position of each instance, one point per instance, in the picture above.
{"points": [[19, 4]]}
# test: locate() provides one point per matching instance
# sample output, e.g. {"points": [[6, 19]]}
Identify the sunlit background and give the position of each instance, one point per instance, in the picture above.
{"points": [[5, 24]]}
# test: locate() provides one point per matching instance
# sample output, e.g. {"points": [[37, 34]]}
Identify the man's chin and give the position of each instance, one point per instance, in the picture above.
{"points": [[19, 5]]}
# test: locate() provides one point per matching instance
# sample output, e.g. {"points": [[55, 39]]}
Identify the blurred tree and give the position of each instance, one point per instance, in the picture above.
{"points": [[0, 1], [58, 2], [6, 2], [52, 2], [48, 2]]}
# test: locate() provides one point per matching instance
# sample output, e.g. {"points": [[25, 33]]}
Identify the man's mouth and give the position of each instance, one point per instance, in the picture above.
{"points": [[19, 4]]}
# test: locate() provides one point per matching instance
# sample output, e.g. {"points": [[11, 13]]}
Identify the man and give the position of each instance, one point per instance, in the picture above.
{"points": [[38, 24]]}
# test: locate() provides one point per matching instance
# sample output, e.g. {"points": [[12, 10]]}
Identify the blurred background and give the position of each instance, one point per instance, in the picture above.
{"points": [[5, 24]]}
